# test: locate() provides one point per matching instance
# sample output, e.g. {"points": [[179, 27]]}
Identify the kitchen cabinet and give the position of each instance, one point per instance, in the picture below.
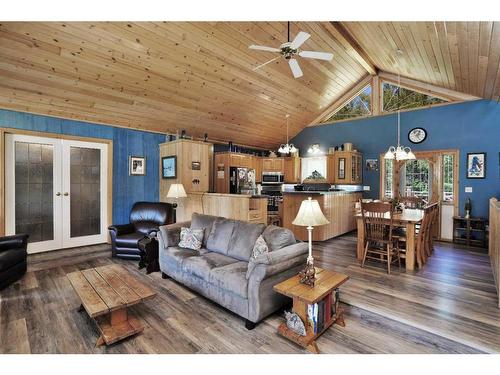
{"points": [[273, 165], [345, 167], [257, 165], [291, 170]]}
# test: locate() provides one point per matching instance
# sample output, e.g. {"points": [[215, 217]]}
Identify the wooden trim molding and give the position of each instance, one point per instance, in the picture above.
{"points": [[6, 130], [377, 82], [344, 99], [427, 88]]}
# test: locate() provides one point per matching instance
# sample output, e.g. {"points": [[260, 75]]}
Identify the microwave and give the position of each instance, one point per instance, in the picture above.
{"points": [[273, 178]]}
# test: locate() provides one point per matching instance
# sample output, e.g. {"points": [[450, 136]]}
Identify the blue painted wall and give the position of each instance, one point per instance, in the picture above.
{"points": [[468, 127], [126, 189]]}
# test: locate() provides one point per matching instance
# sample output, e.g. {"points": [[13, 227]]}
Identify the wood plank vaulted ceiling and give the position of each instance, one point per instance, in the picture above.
{"points": [[168, 76]]}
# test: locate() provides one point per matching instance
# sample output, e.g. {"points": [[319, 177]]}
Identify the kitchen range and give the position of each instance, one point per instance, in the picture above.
{"points": [[272, 186]]}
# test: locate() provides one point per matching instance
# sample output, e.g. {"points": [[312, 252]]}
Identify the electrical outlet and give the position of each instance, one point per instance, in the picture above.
{"points": [[468, 189]]}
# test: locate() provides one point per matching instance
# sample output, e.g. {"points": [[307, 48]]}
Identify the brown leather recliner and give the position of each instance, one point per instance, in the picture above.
{"points": [[145, 218], [13, 257]]}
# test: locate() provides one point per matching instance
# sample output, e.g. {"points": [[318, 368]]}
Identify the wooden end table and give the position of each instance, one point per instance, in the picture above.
{"points": [[303, 295], [106, 293]]}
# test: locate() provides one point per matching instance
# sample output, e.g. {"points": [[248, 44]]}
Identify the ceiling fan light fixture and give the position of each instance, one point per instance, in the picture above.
{"points": [[289, 50], [390, 153]]}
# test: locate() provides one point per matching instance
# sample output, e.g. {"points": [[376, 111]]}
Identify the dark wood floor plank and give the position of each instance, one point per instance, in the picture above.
{"points": [[447, 307]]}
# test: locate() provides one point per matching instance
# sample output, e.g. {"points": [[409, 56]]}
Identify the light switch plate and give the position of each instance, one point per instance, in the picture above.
{"points": [[468, 189], [366, 188]]}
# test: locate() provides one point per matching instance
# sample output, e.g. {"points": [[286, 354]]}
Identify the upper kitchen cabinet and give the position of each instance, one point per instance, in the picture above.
{"points": [[273, 165], [291, 170], [345, 167]]}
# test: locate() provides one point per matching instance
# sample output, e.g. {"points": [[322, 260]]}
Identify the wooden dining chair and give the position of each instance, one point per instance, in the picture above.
{"points": [[433, 220], [422, 239], [379, 244], [412, 202], [425, 239]]}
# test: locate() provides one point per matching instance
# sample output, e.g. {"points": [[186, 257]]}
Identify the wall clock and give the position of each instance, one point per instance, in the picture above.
{"points": [[417, 135]]}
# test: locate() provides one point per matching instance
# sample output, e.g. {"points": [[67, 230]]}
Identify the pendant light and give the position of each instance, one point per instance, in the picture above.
{"points": [[287, 148], [399, 152]]}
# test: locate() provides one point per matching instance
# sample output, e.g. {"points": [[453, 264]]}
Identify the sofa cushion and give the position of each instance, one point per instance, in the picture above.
{"points": [[202, 265], [130, 240], [191, 238], [220, 236], [177, 255], [277, 237], [243, 239], [231, 278], [200, 221]]}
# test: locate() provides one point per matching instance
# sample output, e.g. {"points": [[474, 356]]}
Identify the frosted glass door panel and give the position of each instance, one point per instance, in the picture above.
{"points": [[34, 184], [85, 181]]}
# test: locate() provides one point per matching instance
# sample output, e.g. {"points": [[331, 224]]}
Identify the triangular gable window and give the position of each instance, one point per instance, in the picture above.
{"points": [[359, 106], [405, 98]]}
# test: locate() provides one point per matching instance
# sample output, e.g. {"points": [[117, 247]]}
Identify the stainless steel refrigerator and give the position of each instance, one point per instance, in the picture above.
{"points": [[241, 180]]}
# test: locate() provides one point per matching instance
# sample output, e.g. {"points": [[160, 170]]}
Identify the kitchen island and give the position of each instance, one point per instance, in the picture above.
{"points": [[252, 208], [337, 206]]}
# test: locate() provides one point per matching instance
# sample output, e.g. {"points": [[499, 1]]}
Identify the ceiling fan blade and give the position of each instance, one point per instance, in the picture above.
{"points": [[268, 62], [264, 48], [316, 55], [294, 66], [300, 38]]}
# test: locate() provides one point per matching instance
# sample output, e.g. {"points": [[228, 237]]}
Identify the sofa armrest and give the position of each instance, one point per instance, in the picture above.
{"points": [[16, 241], [121, 229], [276, 261], [169, 235]]}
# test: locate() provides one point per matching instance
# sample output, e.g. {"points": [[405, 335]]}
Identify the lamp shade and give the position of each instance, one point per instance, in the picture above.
{"points": [[176, 191], [310, 214]]}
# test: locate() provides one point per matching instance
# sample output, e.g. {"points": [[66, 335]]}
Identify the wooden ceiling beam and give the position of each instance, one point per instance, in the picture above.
{"points": [[352, 47]]}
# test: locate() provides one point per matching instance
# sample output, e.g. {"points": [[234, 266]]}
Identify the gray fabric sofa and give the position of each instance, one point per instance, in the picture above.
{"points": [[223, 269]]}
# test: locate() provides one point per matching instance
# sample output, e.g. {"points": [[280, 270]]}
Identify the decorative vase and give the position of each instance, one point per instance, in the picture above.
{"points": [[468, 208]]}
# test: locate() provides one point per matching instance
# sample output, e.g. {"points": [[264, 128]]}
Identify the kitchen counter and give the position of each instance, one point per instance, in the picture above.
{"points": [[246, 207], [337, 206], [334, 192]]}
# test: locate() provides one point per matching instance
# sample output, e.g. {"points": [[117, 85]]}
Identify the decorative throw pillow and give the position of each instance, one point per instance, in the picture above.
{"points": [[191, 238], [260, 247]]}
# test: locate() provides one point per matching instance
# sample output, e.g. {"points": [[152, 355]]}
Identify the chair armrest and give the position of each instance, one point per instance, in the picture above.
{"points": [[13, 242], [170, 234], [122, 229], [276, 261]]}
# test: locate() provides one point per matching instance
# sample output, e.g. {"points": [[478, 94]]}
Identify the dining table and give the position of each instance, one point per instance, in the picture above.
{"points": [[409, 219]]}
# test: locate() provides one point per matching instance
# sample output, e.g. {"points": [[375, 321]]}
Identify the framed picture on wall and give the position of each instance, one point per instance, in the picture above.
{"points": [[169, 167], [371, 165], [137, 166], [476, 165]]}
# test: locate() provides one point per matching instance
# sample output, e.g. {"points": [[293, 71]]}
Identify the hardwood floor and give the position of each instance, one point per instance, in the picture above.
{"points": [[448, 307]]}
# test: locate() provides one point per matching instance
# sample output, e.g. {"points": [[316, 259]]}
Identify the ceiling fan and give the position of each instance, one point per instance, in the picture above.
{"points": [[289, 50]]}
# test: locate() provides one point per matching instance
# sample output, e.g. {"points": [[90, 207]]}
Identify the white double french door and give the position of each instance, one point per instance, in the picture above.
{"points": [[55, 191]]}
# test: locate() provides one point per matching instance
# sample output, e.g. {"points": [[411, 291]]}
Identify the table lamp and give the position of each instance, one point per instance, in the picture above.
{"points": [[309, 216], [176, 191]]}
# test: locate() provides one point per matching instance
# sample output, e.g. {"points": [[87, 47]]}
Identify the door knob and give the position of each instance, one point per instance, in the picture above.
{"points": [[66, 194], [58, 194]]}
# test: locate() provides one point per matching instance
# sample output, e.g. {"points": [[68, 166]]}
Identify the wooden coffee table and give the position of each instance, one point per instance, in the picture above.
{"points": [[106, 293], [304, 295]]}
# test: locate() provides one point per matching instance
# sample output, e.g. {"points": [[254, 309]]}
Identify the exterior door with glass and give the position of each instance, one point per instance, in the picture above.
{"points": [[56, 191]]}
